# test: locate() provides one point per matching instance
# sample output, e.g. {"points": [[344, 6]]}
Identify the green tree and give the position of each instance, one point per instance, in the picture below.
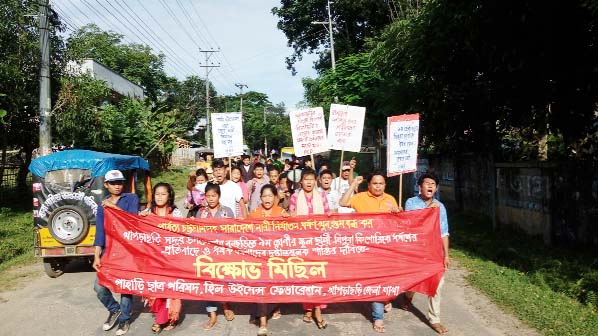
{"points": [[481, 70], [262, 119], [19, 77], [133, 61], [354, 22]]}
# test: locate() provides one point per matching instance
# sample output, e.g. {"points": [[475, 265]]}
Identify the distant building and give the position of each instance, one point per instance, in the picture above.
{"points": [[117, 83]]}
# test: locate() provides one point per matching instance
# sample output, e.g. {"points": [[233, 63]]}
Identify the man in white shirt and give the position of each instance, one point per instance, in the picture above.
{"points": [[231, 193], [332, 195]]}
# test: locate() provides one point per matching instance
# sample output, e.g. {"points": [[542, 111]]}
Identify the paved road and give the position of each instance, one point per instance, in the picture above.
{"points": [[67, 306]]}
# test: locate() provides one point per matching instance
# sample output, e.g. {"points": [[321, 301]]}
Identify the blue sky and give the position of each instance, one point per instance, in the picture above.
{"points": [[252, 49]]}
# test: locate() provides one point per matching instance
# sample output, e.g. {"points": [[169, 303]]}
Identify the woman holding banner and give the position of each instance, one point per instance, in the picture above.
{"points": [[166, 311], [309, 201], [215, 210], [268, 208]]}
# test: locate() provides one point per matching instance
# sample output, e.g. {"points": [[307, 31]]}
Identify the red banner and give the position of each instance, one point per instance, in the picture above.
{"points": [[311, 259]]}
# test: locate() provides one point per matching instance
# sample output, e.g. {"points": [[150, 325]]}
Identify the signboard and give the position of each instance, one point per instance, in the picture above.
{"points": [[309, 259], [403, 135], [227, 132], [345, 127], [309, 131]]}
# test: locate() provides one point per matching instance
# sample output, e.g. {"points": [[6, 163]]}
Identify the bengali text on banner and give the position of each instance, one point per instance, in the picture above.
{"points": [[323, 258]]}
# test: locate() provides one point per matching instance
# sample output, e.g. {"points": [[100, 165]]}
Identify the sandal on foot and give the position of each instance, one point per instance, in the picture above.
{"points": [[210, 324], [379, 326], [170, 326], [321, 324], [262, 331], [156, 328], [229, 315], [439, 328], [307, 317], [387, 306], [276, 314]]}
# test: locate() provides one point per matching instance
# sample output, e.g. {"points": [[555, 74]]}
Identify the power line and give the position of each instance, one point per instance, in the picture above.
{"points": [[174, 57]]}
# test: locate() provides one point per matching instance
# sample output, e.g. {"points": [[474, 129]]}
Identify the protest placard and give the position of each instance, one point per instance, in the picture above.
{"points": [[340, 258], [309, 131], [227, 132], [402, 135], [345, 127]]}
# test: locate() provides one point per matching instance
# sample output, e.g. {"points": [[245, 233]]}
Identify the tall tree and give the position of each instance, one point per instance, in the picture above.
{"points": [[19, 77], [133, 61], [480, 70], [354, 22]]}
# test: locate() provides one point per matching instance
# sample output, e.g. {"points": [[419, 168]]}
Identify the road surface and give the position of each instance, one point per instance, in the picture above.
{"points": [[67, 306]]}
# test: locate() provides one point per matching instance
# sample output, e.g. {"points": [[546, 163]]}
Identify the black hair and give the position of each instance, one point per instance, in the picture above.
{"points": [[258, 165], [308, 171], [245, 156], [326, 171], [272, 168], [201, 172], [213, 187], [218, 163], [375, 173], [271, 187], [235, 168], [420, 180], [170, 195]]}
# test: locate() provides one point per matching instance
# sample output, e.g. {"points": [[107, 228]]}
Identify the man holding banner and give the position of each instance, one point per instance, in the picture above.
{"points": [[372, 200], [428, 184]]}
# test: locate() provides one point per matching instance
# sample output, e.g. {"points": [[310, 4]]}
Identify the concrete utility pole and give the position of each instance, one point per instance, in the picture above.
{"points": [[241, 86], [45, 135], [208, 67], [329, 29], [265, 135]]}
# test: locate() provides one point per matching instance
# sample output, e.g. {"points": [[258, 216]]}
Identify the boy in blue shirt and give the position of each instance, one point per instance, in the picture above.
{"points": [[121, 313]]}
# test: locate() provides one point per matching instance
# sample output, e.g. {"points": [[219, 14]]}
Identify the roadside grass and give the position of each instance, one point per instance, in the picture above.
{"points": [[16, 245], [175, 176], [551, 289], [16, 230]]}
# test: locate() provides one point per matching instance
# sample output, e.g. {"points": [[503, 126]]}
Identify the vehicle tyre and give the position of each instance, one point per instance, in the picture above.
{"points": [[68, 224], [54, 267]]}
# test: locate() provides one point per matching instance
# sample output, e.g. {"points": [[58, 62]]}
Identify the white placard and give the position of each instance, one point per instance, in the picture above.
{"points": [[309, 131], [227, 132], [402, 135], [345, 127]]}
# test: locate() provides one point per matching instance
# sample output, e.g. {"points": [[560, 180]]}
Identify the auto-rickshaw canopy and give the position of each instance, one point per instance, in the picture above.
{"points": [[99, 163]]}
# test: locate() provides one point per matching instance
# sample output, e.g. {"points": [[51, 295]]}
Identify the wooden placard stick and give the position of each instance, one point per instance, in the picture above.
{"points": [[400, 189], [340, 169]]}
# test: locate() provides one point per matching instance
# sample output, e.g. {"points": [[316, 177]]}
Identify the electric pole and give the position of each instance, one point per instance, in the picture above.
{"points": [[241, 86], [208, 67], [329, 29], [45, 135]]}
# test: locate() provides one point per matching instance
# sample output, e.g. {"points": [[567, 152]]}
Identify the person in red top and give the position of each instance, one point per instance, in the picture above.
{"points": [[268, 208], [309, 201], [166, 311]]}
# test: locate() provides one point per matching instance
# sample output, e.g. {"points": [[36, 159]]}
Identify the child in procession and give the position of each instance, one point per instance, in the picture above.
{"points": [[309, 201], [195, 191], [268, 208], [215, 209], [166, 311]]}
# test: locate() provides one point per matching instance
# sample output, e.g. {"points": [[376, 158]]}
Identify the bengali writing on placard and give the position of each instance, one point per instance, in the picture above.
{"points": [[403, 135], [345, 127], [309, 131], [227, 130]]}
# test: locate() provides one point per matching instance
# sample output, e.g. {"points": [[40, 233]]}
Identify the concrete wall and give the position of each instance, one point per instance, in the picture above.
{"points": [[557, 201]]}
